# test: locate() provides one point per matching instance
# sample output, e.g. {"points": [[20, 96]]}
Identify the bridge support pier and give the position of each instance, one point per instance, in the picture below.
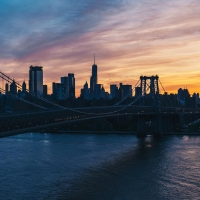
{"points": [[158, 126], [167, 123], [141, 133], [182, 119]]}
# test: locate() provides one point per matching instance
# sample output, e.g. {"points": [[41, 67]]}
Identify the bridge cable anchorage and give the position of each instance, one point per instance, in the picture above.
{"points": [[167, 95]]}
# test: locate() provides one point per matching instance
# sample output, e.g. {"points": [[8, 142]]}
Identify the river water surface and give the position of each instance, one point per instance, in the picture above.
{"points": [[107, 166]]}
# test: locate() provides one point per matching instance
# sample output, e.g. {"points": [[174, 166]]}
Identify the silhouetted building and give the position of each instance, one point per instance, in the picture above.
{"points": [[94, 78], [85, 91], [194, 100], [114, 91], [97, 91], [183, 96], [65, 81], [36, 80], [13, 87], [138, 91], [69, 83], [103, 93], [7, 88], [125, 90], [24, 87], [45, 91], [71, 86], [58, 90]]}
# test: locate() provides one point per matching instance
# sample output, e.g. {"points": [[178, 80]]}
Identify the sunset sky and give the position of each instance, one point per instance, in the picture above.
{"points": [[129, 37]]}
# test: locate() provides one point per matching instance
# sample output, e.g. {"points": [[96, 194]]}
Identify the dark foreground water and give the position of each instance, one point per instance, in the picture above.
{"points": [[89, 166]]}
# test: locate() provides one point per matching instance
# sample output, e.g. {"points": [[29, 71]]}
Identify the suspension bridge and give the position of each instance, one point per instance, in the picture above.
{"points": [[152, 114]]}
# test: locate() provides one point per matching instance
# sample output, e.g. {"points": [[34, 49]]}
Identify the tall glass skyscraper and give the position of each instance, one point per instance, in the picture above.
{"points": [[71, 86], [94, 78], [36, 80]]}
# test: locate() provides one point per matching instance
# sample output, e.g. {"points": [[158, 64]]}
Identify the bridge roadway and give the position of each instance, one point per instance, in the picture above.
{"points": [[15, 123]]}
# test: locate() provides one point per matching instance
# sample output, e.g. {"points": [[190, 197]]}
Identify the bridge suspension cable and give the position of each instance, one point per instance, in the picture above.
{"points": [[8, 79], [12, 96]]}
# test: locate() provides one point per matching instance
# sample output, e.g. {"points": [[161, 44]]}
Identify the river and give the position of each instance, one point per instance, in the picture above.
{"points": [[99, 166]]}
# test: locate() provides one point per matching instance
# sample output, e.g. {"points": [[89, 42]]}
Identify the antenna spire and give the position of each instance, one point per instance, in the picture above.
{"points": [[94, 59]]}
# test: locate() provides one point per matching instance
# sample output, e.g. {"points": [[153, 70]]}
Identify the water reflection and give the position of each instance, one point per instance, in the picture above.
{"points": [[89, 166]]}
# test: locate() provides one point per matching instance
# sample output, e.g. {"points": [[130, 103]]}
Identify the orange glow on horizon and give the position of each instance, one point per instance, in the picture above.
{"points": [[159, 38]]}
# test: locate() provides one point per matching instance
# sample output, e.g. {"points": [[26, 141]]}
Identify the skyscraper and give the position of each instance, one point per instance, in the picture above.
{"points": [[71, 86], [125, 90], [36, 79], [45, 89], [94, 78], [13, 87], [7, 88], [114, 91], [58, 90], [69, 83], [65, 81], [24, 86]]}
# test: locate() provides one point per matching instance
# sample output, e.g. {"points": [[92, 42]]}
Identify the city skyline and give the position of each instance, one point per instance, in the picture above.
{"points": [[129, 38]]}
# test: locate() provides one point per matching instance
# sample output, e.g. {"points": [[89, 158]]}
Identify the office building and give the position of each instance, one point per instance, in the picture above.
{"points": [[94, 77], [65, 81], [45, 91], [58, 90], [24, 86], [138, 91], [69, 83], [85, 90], [7, 88], [114, 91], [13, 87], [36, 80], [125, 91], [71, 80]]}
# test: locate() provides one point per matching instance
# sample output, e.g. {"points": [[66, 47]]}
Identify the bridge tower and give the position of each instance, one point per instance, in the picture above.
{"points": [[150, 82], [150, 87]]}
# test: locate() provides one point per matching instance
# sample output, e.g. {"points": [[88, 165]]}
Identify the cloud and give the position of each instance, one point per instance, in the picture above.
{"points": [[129, 38]]}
